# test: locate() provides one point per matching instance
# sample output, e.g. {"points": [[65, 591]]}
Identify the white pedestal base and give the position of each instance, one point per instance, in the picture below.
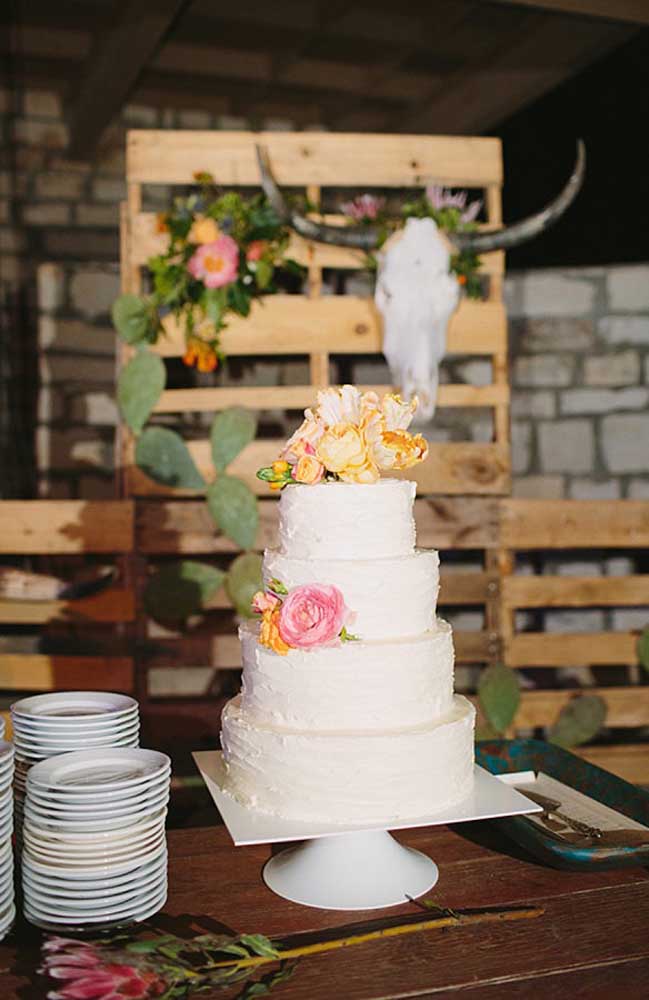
{"points": [[354, 871]]}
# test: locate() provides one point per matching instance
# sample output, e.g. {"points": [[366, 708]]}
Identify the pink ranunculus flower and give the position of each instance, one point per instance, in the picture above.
{"points": [[264, 601], [216, 263], [313, 615]]}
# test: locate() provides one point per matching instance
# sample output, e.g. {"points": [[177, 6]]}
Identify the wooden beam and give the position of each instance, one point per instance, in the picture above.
{"points": [[113, 67], [628, 11]]}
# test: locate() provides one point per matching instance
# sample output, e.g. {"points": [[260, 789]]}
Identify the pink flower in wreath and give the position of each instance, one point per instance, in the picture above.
{"points": [[313, 615], [256, 250], [216, 263]]}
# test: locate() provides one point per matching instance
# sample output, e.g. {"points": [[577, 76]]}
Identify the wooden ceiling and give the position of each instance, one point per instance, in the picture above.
{"points": [[435, 66]]}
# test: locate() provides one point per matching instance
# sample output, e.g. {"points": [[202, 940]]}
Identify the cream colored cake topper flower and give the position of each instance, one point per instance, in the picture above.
{"points": [[350, 436]]}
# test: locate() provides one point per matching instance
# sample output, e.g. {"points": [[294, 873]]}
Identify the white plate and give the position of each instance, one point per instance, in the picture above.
{"points": [[100, 904], [84, 850], [100, 769], [6, 920], [75, 860], [49, 743], [99, 888], [90, 822], [6, 828], [33, 757], [96, 882], [6, 750], [101, 836], [81, 805], [83, 797], [110, 913], [74, 704], [83, 724]]}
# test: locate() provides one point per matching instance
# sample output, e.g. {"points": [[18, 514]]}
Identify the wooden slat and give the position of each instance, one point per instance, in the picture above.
{"points": [[175, 527], [323, 158], [111, 606], [571, 524], [556, 649], [338, 324], [462, 467], [57, 673], [626, 706], [574, 591], [148, 242], [65, 526], [628, 760], [471, 647], [298, 397]]}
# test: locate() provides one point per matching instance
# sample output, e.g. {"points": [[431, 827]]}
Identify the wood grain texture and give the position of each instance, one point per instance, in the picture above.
{"points": [[625, 706], [321, 158], [116, 605], [572, 524], [560, 649], [574, 591], [39, 672], [628, 760], [51, 527]]}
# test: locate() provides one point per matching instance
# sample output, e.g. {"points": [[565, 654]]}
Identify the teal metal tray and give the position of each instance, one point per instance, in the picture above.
{"points": [[504, 756]]}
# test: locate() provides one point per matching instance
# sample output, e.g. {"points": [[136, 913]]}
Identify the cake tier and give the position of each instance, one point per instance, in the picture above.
{"points": [[347, 521], [389, 597], [350, 777], [359, 686]]}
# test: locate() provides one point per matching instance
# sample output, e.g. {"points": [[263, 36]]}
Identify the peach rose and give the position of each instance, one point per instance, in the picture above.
{"points": [[312, 615], [341, 447], [399, 450], [204, 230], [304, 440], [264, 601], [308, 470]]}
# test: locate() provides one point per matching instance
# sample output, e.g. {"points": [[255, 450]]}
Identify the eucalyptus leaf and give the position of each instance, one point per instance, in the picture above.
{"points": [[243, 581], [231, 431], [499, 694], [259, 944], [579, 721], [139, 387], [643, 649], [234, 508], [180, 590], [132, 318], [163, 456]]}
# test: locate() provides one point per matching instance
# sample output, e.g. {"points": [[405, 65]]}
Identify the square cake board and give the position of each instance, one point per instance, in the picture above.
{"points": [[356, 866]]}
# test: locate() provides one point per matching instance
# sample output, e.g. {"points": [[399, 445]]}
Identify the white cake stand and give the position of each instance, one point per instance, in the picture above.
{"points": [[359, 867]]}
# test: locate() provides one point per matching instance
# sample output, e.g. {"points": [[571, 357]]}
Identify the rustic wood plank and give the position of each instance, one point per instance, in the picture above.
{"points": [[337, 324], [630, 11], [628, 760], [323, 158], [169, 527], [574, 591], [115, 605], [626, 706], [572, 524], [457, 468], [59, 673], [558, 649], [298, 397], [43, 527]]}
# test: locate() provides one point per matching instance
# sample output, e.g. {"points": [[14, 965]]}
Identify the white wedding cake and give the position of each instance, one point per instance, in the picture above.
{"points": [[347, 711]]}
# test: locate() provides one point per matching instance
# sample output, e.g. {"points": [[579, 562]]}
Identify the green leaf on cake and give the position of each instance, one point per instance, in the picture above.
{"points": [[579, 721], [139, 387], [233, 506], [134, 319], [181, 589], [643, 649], [499, 694], [243, 581], [231, 431], [163, 456]]}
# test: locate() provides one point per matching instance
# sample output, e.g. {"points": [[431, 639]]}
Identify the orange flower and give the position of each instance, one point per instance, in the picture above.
{"points": [[461, 279], [308, 470], [269, 633], [201, 355], [204, 230], [161, 223]]}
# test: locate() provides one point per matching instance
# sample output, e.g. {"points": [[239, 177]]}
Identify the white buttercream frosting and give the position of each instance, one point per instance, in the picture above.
{"points": [[350, 777], [347, 520], [357, 686], [388, 597]]}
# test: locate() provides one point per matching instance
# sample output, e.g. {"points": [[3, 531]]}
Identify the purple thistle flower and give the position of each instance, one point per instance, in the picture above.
{"points": [[363, 207]]}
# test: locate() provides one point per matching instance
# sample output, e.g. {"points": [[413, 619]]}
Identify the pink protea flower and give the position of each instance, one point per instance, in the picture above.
{"points": [[441, 198], [216, 263], [363, 208], [82, 973], [313, 615]]}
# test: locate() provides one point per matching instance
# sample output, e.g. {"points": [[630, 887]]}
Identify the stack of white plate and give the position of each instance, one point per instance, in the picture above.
{"points": [[94, 845], [7, 908], [47, 725]]}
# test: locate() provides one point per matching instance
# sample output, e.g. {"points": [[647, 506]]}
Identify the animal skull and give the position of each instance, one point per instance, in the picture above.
{"points": [[416, 294], [415, 291]]}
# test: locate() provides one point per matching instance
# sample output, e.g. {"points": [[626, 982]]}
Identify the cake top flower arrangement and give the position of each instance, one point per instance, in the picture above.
{"points": [[350, 436]]}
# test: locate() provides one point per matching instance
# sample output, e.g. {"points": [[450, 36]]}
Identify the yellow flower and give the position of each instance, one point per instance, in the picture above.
{"points": [[309, 470], [396, 413], [365, 473], [279, 468], [204, 230], [341, 447], [399, 450], [269, 633], [338, 406]]}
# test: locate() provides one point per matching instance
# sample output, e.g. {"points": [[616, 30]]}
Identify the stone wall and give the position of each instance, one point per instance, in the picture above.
{"points": [[579, 338]]}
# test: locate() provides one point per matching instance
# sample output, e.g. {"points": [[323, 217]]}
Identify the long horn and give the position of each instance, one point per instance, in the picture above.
{"points": [[520, 232], [355, 237]]}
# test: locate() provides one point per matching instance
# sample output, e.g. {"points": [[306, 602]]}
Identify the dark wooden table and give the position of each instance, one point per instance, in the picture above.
{"points": [[591, 942]]}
